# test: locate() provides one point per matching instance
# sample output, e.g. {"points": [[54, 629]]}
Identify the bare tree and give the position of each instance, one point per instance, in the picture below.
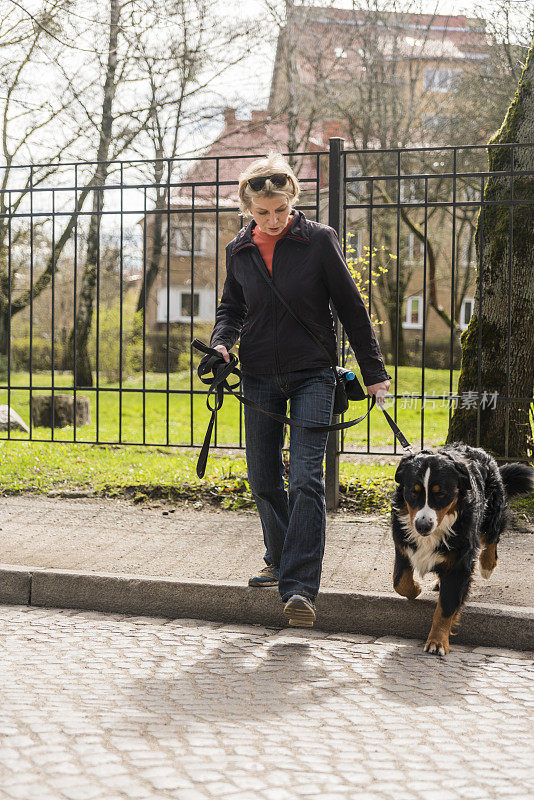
{"points": [[492, 73], [179, 70], [80, 334], [30, 47]]}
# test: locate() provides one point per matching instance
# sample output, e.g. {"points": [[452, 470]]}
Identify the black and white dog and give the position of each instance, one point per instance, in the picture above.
{"points": [[450, 507]]}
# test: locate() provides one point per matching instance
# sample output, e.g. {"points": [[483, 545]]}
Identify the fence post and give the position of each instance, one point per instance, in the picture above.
{"points": [[336, 189]]}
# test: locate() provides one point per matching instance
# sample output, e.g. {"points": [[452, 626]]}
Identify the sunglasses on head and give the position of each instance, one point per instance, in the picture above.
{"points": [[278, 179]]}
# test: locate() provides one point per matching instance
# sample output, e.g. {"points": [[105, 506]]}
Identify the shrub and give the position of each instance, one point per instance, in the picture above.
{"points": [[41, 352], [109, 340]]}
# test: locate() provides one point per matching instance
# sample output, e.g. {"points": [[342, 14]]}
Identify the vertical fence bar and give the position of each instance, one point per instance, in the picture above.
{"points": [[453, 280], [9, 267], [99, 200], [144, 311], [217, 234], [317, 195], [74, 299], [52, 364], [31, 300], [481, 223], [192, 310], [359, 253], [121, 288], [344, 250], [423, 345], [168, 291], [334, 220], [241, 224], [371, 201], [509, 319], [397, 289]]}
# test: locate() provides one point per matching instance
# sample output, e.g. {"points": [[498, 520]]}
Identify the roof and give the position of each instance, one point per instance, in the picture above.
{"points": [[243, 141]]}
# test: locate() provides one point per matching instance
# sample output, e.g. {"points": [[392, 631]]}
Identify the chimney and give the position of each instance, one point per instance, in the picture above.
{"points": [[332, 127], [259, 115], [229, 116]]}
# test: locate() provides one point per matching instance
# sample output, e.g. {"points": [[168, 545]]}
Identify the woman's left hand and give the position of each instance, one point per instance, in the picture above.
{"points": [[379, 390]]}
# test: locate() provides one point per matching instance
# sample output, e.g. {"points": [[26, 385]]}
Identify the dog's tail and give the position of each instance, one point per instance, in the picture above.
{"points": [[517, 479]]}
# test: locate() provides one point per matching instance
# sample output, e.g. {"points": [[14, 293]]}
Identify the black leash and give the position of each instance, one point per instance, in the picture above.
{"points": [[214, 363]]}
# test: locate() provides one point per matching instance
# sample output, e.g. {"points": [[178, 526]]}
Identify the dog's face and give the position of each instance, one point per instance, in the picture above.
{"points": [[431, 485]]}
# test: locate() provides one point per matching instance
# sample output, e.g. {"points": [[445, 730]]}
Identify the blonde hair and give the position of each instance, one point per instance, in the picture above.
{"points": [[272, 163]]}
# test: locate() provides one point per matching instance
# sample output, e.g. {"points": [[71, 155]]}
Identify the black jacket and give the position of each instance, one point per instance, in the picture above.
{"points": [[308, 270]]}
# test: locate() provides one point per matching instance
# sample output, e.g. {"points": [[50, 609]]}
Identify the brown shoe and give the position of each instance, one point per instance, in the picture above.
{"points": [[300, 610], [268, 576]]}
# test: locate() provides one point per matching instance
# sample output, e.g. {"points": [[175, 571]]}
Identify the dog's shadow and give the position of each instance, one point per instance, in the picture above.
{"points": [[235, 682], [416, 679]]}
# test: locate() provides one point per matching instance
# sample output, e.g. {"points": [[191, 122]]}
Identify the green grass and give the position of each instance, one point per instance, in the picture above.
{"points": [[147, 473], [188, 417]]}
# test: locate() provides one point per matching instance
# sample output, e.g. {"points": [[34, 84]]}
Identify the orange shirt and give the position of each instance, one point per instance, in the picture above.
{"points": [[266, 242]]}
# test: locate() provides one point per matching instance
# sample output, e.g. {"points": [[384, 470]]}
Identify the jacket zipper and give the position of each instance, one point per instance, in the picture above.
{"points": [[276, 358], [273, 304]]}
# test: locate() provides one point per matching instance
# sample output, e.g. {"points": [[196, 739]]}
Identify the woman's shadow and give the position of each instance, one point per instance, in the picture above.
{"points": [[236, 680]]}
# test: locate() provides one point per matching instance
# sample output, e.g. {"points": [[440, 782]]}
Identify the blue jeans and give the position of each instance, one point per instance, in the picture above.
{"points": [[293, 525]]}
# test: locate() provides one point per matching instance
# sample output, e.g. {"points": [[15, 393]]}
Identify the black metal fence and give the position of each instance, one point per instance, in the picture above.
{"points": [[129, 256]]}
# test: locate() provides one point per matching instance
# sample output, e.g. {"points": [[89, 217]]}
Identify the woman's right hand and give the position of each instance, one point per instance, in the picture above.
{"points": [[223, 351]]}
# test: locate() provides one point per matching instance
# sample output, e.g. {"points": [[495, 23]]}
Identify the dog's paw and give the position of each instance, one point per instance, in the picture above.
{"points": [[438, 646], [415, 591], [407, 587], [486, 573], [487, 561]]}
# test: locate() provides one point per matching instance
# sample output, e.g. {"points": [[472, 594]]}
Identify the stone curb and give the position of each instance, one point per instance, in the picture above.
{"points": [[377, 614]]}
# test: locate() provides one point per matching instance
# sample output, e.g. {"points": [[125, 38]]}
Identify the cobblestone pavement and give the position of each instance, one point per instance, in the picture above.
{"points": [[110, 706]]}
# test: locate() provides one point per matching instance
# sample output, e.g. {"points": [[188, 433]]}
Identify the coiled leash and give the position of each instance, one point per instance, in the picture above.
{"points": [[214, 363]]}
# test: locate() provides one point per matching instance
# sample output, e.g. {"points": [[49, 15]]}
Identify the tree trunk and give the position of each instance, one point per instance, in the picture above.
{"points": [[399, 355], [82, 365], [83, 375], [155, 250], [506, 275], [4, 332]]}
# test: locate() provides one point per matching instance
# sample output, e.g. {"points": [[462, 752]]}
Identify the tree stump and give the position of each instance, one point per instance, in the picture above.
{"points": [[63, 415]]}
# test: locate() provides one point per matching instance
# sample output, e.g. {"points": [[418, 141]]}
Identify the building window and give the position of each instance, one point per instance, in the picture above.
{"points": [[186, 304], [434, 122], [355, 240], [413, 315], [476, 55], [181, 240], [408, 190], [440, 80], [466, 252], [180, 305], [413, 249], [466, 312], [356, 188]]}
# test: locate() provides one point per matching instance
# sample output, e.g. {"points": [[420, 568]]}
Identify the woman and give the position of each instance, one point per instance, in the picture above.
{"points": [[280, 361]]}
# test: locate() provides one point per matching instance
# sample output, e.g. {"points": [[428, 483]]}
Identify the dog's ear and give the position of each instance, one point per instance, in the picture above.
{"points": [[463, 472], [399, 474]]}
